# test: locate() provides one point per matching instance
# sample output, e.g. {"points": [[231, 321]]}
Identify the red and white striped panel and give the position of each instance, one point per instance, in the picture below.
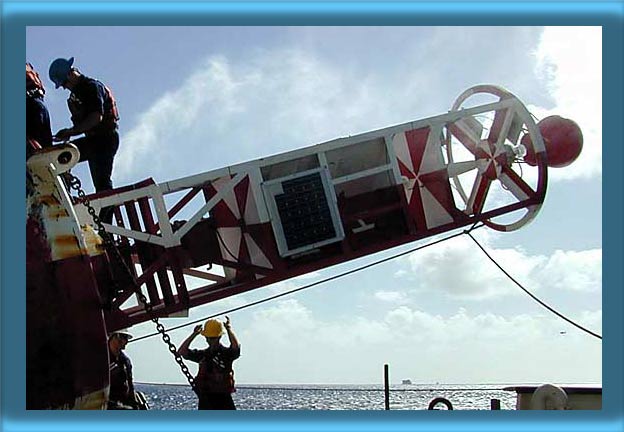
{"points": [[238, 206], [425, 178]]}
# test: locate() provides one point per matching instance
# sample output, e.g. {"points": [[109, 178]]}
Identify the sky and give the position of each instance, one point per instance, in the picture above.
{"points": [[193, 99]]}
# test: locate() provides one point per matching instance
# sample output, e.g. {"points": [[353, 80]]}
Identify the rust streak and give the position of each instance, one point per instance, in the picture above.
{"points": [[48, 200], [59, 213], [63, 241]]}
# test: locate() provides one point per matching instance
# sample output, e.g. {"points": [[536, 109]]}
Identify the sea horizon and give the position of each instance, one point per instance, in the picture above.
{"points": [[419, 396], [493, 384]]}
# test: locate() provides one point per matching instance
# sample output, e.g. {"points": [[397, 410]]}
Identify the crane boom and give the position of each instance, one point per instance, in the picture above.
{"points": [[256, 223], [201, 238], [187, 242]]}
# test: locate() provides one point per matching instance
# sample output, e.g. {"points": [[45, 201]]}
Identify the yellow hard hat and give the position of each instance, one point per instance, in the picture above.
{"points": [[212, 328]]}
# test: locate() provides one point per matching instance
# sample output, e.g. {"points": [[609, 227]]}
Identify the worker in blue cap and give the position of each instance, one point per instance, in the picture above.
{"points": [[93, 113]]}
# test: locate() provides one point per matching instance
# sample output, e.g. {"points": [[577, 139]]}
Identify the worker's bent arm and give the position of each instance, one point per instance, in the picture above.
{"points": [[184, 347], [92, 120], [233, 340]]}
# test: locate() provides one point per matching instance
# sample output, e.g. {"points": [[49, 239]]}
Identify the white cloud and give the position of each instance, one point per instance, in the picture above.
{"points": [[282, 287], [287, 342], [569, 64], [460, 347], [574, 271], [281, 99], [275, 101], [400, 273], [569, 59], [391, 296], [459, 269], [289, 98], [165, 125]]}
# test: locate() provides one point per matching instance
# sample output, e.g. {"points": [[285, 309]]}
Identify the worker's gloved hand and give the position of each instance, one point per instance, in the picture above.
{"points": [[63, 134]]}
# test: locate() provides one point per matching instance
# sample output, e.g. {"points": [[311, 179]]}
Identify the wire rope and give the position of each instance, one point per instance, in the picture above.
{"points": [[328, 279], [560, 315], [340, 275]]}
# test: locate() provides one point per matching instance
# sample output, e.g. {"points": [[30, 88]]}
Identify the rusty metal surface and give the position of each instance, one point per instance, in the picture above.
{"points": [[66, 338]]}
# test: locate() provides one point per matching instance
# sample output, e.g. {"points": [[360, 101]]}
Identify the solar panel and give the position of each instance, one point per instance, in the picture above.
{"points": [[304, 211]]}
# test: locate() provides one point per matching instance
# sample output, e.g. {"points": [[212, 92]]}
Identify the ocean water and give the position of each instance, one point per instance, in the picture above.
{"points": [[336, 397]]}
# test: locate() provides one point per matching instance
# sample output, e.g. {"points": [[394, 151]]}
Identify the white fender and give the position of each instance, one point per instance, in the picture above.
{"points": [[549, 397]]}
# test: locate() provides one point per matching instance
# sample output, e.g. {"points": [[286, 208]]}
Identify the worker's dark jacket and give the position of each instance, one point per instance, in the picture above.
{"points": [[215, 373], [121, 385], [88, 96], [100, 144], [37, 121]]}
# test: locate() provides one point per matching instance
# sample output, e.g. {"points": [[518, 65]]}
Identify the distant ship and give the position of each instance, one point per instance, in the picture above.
{"points": [[406, 381]]}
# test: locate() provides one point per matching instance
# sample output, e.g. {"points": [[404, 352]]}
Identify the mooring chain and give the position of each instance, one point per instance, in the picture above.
{"points": [[109, 244]]}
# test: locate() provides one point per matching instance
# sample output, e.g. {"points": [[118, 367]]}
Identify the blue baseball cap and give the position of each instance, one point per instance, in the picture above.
{"points": [[59, 69]]}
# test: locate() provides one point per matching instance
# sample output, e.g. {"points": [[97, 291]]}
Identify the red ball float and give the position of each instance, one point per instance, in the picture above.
{"points": [[563, 140]]}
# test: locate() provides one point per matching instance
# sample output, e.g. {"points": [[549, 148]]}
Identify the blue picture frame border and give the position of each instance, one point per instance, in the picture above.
{"points": [[16, 16]]}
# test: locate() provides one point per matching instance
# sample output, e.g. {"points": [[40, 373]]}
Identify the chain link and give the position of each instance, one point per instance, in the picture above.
{"points": [[75, 184]]}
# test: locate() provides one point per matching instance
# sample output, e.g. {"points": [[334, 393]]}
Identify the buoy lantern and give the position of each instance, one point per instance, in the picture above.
{"points": [[563, 140]]}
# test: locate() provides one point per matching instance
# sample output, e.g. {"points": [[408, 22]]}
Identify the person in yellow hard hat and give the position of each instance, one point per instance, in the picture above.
{"points": [[214, 383]]}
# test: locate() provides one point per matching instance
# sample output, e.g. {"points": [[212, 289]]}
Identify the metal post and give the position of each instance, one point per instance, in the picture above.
{"points": [[386, 387]]}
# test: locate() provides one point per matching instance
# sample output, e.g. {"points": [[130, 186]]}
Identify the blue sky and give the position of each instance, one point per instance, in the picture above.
{"points": [[193, 99]]}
